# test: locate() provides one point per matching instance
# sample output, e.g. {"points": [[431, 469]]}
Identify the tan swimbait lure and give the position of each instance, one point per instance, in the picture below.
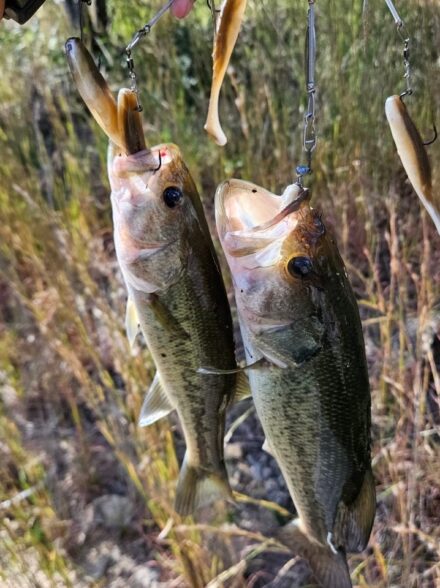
{"points": [[413, 155], [224, 41], [298, 314], [175, 288]]}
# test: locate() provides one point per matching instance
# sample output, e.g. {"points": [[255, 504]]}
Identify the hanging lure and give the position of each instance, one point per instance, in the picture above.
{"points": [[409, 144], [225, 37]]}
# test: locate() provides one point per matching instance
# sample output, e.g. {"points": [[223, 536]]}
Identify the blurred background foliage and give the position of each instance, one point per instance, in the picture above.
{"points": [[85, 495]]}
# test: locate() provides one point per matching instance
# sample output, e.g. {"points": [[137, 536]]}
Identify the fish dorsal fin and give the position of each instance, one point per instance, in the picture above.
{"points": [[131, 322], [156, 404]]}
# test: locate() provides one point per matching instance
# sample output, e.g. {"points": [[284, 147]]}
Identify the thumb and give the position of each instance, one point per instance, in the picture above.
{"points": [[180, 8]]}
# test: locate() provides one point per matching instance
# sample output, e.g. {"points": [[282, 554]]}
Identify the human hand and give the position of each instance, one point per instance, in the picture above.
{"points": [[179, 8]]}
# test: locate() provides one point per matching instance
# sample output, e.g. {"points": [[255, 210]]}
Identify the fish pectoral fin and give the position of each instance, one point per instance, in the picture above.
{"points": [[354, 522], [156, 404], [197, 487], [131, 322], [330, 569], [166, 319], [288, 350]]}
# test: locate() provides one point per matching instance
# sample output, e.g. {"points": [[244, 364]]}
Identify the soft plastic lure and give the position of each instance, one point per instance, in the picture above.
{"points": [[224, 43], [413, 155]]}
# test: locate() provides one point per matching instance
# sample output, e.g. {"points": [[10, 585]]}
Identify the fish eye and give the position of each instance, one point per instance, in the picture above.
{"points": [[300, 266], [172, 196]]}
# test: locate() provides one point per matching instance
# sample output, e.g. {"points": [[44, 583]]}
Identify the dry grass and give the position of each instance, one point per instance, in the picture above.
{"points": [[70, 390]]}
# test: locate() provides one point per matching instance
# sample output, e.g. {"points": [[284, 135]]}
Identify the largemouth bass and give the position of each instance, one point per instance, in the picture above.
{"points": [[413, 155], [301, 328], [175, 289], [224, 42]]}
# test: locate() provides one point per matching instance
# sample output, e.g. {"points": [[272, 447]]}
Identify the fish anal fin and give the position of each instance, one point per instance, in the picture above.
{"points": [[131, 322], [354, 522], [266, 447], [330, 569], [156, 404], [197, 487], [242, 388]]}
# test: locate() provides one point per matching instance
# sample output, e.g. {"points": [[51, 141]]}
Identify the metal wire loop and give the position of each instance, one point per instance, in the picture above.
{"points": [[140, 34], [309, 131], [405, 37]]}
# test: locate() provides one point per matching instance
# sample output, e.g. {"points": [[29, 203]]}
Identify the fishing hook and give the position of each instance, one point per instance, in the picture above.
{"points": [[155, 169], [435, 136], [160, 163]]}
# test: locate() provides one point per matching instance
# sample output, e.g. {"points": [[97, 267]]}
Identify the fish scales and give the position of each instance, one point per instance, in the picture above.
{"points": [[317, 441], [204, 339]]}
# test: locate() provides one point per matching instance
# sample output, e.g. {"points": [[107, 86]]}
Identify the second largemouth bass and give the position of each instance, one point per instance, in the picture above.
{"points": [[301, 328], [175, 288]]}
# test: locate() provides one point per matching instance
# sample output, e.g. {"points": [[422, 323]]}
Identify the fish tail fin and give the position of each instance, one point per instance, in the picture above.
{"points": [[197, 487], [330, 569], [354, 522]]}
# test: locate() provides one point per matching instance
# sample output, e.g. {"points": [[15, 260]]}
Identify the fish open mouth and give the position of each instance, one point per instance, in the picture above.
{"points": [[250, 217]]}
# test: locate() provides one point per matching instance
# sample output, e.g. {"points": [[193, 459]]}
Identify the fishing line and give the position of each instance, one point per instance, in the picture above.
{"points": [[140, 34], [80, 19], [309, 131]]}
